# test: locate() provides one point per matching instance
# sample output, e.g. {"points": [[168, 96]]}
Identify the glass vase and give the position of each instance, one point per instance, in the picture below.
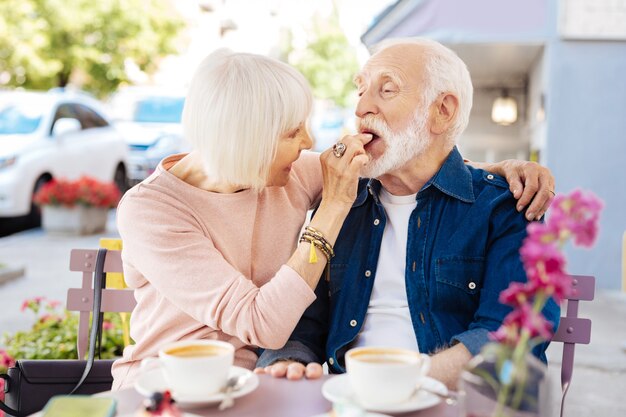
{"points": [[494, 386]]}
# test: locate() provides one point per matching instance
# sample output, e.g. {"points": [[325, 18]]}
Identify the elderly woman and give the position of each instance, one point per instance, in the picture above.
{"points": [[210, 239]]}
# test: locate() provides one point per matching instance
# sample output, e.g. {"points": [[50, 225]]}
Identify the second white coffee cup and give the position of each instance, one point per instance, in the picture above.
{"points": [[194, 368], [382, 376]]}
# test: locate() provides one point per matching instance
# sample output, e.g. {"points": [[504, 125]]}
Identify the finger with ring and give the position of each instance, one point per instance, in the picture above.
{"points": [[339, 149]]}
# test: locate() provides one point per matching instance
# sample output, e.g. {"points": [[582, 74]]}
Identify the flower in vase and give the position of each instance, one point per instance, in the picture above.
{"points": [[573, 216]]}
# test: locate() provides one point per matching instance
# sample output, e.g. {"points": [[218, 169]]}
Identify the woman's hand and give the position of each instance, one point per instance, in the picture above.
{"points": [[341, 174]]}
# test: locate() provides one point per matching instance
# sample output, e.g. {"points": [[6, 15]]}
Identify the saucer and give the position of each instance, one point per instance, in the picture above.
{"points": [[183, 414], [153, 380], [367, 414], [338, 388]]}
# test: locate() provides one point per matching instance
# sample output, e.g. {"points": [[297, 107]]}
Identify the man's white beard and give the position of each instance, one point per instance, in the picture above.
{"points": [[400, 147]]}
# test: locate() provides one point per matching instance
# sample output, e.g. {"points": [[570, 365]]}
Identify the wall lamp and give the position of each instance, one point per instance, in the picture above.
{"points": [[504, 110]]}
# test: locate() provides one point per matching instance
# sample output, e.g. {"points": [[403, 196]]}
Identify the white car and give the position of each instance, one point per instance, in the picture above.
{"points": [[55, 134], [149, 119]]}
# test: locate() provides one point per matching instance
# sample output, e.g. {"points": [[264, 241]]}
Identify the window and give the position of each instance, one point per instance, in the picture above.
{"points": [[89, 118], [64, 111], [19, 119], [159, 110]]}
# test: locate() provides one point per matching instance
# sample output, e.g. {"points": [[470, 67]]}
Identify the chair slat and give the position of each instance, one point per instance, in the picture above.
{"points": [[85, 260], [583, 287], [81, 299], [573, 330], [113, 300]]}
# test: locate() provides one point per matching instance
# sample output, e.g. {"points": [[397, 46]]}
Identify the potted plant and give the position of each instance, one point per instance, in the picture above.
{"points": [[78, 207], [53, 336]]}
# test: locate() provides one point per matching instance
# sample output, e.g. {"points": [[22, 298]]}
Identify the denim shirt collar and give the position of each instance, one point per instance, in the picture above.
{"points": [[453, 179]]}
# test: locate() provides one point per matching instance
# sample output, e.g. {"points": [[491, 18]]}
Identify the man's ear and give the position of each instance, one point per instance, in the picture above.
{"points": [[443, 113]]}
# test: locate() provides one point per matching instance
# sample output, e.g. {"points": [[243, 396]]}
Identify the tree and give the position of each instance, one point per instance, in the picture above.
{"points": [[328, 62], [45, 43]]}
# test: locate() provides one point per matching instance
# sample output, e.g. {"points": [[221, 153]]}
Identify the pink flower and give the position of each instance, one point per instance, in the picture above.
{"points": [[32, 303], [53, 304], [107, 325], [572, 216], [507, 335], [577, 214], [517, 294], [6, 360], [545, 267], [522, 318], [542, 233], [49, 317]]}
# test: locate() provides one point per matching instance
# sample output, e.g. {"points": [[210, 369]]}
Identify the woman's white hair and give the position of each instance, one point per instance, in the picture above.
{"points": [[444, 72], [237, 108]]}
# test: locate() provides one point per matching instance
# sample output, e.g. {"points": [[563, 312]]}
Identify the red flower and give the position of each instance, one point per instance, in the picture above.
{"points": [[85, 191]]}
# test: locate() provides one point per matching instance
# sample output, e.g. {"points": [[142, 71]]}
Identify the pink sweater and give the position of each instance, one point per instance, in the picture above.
{"points": [[211, 266]]}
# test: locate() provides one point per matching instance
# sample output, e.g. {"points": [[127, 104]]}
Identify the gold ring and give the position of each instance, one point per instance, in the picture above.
{"points": [[339, 149]]}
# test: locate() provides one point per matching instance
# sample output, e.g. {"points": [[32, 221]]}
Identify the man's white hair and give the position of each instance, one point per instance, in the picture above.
{"points": [[237, 108], [444, 72]]}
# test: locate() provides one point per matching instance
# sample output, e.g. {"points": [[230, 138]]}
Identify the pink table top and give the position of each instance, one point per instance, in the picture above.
{"points": [[273, 398]]}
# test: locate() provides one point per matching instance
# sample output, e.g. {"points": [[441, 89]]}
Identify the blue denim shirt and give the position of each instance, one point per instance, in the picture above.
{"points": [[462, 250]]}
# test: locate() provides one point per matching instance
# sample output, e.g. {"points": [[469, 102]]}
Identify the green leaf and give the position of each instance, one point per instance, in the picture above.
{"points": [[46, 43]]}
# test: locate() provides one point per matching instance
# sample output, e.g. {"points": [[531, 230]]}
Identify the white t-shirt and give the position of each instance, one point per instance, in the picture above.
{"points": [[388, 319]]}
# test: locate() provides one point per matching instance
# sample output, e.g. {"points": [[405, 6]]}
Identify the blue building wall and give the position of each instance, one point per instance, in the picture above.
{"points": [[586, 147]]}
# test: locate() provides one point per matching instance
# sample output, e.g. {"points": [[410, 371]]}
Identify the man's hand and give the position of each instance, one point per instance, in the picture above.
{"points": [[528, 181], [447, 365], [292, 370]]}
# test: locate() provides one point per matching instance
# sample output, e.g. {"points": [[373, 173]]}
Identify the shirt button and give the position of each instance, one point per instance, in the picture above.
{"points": [[368, 273], [376, 222], [331, 361], [472, 285], [489, 177], [353, 323]]}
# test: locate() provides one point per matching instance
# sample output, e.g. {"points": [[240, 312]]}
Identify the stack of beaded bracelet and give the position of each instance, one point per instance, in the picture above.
{"points": [[317, 240]]}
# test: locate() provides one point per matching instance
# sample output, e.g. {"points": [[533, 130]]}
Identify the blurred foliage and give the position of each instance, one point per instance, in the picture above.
{"points": [[45, 42], [328, 62], [54, 333]]}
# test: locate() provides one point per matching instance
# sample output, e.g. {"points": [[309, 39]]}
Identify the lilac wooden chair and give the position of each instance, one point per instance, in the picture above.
{"points": [[574, 329], [81, 299]]}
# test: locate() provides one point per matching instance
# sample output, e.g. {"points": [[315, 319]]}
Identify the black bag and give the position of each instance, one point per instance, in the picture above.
{"points": [[31, 383]]}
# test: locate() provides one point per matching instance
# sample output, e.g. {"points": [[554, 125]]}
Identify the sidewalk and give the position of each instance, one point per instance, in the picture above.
{"points": [[598, 384], [46, 260]]}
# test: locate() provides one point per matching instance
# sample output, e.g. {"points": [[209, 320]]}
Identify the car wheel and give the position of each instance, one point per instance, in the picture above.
{"points": [[33, 219], [120, 179]]}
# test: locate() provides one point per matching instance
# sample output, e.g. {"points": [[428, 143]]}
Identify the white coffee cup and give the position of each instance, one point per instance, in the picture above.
{"points": [[194, 368], [382, 376]]}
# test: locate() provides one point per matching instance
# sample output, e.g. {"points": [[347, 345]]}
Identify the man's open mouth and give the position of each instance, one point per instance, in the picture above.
{"points": [[375, 136]]}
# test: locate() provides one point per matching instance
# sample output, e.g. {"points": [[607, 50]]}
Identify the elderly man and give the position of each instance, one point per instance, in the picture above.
{"points": [[429, 243]]}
